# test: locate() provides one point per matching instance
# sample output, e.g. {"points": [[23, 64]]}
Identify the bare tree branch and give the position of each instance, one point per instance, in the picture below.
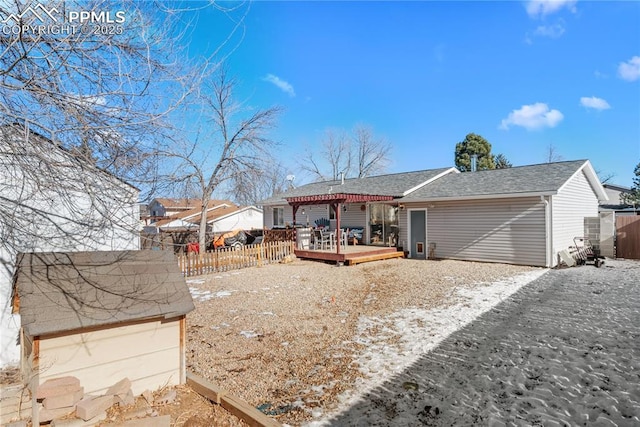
{"points": [[357, 155]]}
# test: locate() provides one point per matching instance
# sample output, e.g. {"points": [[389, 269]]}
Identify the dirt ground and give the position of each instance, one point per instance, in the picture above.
{"points": [[288, 338], [282, 337]]}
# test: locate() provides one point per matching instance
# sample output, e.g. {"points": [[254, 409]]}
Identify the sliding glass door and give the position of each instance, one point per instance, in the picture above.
{"points": [[383, 225]]}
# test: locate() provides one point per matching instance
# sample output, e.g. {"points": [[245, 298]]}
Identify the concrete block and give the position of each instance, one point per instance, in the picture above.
{"points": [[47, 415], [163, 421], [125, 399], [89, 408], [63, 400], [119, 388], [57, 386], [148, 396]]}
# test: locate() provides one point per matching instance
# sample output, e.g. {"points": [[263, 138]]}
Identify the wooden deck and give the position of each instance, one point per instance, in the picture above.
{"points": [[351, 255]]}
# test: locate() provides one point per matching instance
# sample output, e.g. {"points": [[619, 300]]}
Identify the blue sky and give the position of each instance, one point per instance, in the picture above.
{"points": [[523, 75]]}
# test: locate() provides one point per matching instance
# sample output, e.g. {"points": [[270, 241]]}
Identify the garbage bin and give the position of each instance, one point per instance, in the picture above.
{"points": [[303, 238]]}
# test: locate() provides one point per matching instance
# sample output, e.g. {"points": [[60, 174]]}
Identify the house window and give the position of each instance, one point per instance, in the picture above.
{"points": [[278, 217], [332, 213]]}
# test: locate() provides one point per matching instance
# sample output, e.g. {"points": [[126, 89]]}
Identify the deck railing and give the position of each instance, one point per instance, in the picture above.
{"points": [[226, 259]]}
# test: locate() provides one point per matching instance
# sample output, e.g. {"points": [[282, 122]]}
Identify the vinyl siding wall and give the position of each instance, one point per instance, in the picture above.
{"points": [[575, 201], [247, 219], [147, 353], [509, 231]]}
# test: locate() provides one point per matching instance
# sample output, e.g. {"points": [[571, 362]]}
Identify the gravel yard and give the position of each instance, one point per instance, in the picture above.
{"points": [[301, 340]]}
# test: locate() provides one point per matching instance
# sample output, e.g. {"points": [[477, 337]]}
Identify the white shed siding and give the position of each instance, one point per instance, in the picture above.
{"points": [[147, 353], [498, 230], [575, 201]]}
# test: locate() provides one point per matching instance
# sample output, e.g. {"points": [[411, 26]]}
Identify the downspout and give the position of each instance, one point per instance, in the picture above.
{"points": [[548, 230]]}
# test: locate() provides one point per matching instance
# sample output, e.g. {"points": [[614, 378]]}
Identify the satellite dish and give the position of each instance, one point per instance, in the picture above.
{"points": [[291, 178]]}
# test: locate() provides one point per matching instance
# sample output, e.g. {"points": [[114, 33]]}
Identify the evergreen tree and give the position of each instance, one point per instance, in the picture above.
{"points": [[474, 144]]}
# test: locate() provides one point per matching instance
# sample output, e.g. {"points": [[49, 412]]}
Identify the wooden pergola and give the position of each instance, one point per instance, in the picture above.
{"points": [[335, 200]]}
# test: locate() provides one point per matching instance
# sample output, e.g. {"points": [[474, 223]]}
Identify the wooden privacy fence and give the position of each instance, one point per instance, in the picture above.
{"points": [[225, 259], [628, 236]]}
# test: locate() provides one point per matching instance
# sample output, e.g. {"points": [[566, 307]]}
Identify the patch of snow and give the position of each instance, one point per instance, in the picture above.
{"points": [[420, 331], [196, 281], [200, 295], [222, 294]]}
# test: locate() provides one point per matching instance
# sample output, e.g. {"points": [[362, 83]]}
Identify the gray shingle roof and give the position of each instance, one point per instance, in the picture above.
{"points": [[542, 178], [66, 291], [381, 185]]}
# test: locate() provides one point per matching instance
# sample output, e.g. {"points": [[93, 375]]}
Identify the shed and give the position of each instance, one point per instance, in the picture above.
{"points": [[102, 316]]}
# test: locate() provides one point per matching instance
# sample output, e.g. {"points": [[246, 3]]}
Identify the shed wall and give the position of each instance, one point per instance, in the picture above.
{"points": [[147, 353], [508, 231], [573, 203]]}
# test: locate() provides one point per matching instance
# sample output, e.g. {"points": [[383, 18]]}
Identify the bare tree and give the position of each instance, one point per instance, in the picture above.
{"points": [[84, 105], [373, 153], [232, 149], [259, 184], [333, 158], [358, 155], [552, 155]]}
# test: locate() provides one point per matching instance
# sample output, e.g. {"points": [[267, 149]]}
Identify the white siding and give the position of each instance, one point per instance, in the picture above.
{"points": [[354, 216], [147, 353], [83, 209], [268, 215], [509, 231], [575, 201], [246, 219]]}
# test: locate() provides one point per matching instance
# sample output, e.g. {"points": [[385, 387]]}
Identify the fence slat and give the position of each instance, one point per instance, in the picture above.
{"points": [[225, 259]]}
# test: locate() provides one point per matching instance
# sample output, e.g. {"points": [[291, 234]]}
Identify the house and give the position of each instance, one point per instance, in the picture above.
{"points": [[616, 202], [521, 215], [222, 216], [101, 317], [53, 200], [165, 207]]}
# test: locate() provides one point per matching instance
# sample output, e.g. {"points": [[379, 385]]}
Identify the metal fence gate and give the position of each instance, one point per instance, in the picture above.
{"points": [[628, 237]]}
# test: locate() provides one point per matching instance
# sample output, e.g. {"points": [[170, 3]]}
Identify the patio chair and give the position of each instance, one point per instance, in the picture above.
{"points": [[321, 239]]}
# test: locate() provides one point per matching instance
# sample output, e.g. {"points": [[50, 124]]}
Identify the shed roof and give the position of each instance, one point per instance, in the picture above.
{"points": [[63, 291], [541, 179], [394, 185]]}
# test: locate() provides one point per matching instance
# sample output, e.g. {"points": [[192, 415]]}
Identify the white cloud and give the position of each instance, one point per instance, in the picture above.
{"points": [[595, 103], [534, 116], [540, 8], [630, 70], [552, 31], [283, 85]]}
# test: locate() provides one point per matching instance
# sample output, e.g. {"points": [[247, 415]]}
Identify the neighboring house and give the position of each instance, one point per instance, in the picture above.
{"points": [[164, 206], [222, 216], [51, 200], [102, 317], [616, 202], [521, 215]]}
